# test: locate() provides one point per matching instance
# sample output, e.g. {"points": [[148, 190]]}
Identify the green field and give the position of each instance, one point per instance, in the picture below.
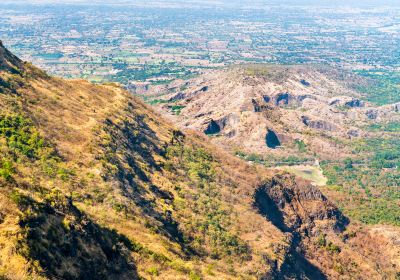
{"points": [[308, 172]]}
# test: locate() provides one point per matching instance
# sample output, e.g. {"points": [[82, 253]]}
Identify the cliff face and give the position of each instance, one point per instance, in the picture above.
{"points": [[297, 207], [95, 185], [321, 239]]}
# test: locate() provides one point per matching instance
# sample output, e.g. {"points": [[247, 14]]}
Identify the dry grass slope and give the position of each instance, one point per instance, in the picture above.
{"points": [[95, 185]]}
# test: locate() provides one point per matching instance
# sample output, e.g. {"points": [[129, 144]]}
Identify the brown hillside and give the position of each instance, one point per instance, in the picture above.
{"points": [[243, 105], [95, 185]]}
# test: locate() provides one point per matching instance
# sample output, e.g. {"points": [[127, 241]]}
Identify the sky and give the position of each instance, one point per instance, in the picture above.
{"points": [[221, 2]]}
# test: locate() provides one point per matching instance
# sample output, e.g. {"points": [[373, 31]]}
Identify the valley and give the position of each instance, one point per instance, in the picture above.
{"points": [[199, 140], [117, 192], [294, 116]]}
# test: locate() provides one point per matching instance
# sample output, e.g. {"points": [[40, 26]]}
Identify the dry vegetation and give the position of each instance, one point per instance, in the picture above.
{"points": [[95, 185]]}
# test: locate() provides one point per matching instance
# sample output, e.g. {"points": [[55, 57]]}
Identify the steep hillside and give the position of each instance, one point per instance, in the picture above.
{"points": [[95, 185]]}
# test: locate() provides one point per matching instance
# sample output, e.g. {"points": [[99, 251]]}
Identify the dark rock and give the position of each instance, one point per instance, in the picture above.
{"points": [[272, 139], [318, 124], [266, 98], [291, 205], [178, 96], [10, 62], [372, 114], [295, 207], [212, 128], [354, 103], [396, 107], [167, 195], [259, 107], [305, 83], [353, 133], [282, 99], [346, 101], [205, 88]]}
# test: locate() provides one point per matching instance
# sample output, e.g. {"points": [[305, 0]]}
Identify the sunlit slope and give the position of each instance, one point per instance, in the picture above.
{"points": [[95, 185]]}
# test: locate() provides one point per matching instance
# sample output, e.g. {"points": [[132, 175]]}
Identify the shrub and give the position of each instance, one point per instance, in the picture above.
{"points": [[6, 169], [21, 136]]}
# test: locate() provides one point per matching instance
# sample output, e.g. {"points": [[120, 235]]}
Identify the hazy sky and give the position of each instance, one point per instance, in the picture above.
{"points": [[223, 2]]}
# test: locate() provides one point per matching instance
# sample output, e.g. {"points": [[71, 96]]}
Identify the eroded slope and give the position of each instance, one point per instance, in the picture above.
{"points": [[95, 185]]}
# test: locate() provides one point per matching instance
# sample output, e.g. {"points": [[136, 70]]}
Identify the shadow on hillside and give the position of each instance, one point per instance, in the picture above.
{"points": [[267, 207], [138, 145], [296, 265], [70, 246]]}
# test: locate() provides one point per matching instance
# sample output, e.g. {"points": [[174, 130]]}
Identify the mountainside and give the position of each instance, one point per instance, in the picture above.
{"points": [[313, 121], [95, 185], [257, 108]]}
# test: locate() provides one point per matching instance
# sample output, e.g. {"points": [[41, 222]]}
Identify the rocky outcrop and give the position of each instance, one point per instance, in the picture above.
{"points": [[318, 124], [288, 99], [212, 127], [138, 87], [372, 114], [305, 83], [353, 133], [355, 103], [346, 101], [282, 99], [178, 96], [258, 108], [296, 206], [266, 98], [272, 139], [396, 107]]}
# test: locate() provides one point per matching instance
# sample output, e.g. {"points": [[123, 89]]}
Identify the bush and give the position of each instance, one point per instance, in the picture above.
{"points": [[6, 169], [21, 136]]}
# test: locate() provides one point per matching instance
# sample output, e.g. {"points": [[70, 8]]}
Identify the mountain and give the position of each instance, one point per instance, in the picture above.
{"points": [[95, 185], [246, 106], [314, 121]]}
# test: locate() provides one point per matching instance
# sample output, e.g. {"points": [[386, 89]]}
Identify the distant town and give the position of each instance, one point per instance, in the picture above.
{"points": [[157, 44]]}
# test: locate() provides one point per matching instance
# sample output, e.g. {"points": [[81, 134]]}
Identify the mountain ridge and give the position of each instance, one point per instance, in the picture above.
{"points": [[95, 185]]}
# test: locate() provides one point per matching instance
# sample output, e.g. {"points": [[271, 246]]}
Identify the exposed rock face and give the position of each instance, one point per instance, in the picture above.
{"points": [[318, 124], [346, 101], [297, 208], [305, 83], [205, 88], [138, 87], [277, 97], [372, 114], [259, 107], [288, 99], [396, 107], [355, 103], [272, 139], [212, 128], [353, 133], [266, 98], [178, 96], [282, 99]]}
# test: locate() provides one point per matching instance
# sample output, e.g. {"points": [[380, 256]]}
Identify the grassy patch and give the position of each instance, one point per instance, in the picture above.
{"points": [[312, 173]]}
